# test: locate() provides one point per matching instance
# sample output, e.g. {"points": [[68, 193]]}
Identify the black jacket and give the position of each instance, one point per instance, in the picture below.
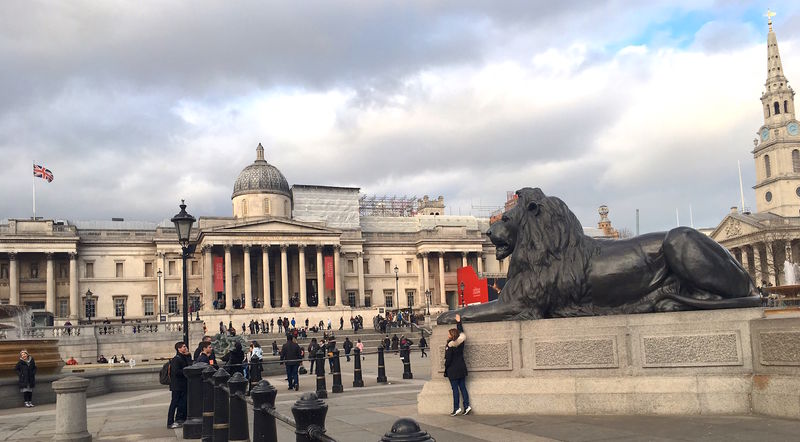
{"points": [[454, 365], [234, 360], [197, 351], [347, 345], [202, 358], [255, 369], [26, 372], [291, 353], [177, 380], [313, 348]]}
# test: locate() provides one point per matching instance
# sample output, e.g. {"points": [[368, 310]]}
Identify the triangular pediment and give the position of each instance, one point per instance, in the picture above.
{"points": [[269, 226], [734, 226]]}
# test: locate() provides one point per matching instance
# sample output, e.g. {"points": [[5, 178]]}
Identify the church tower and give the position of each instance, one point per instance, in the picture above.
{"points": [[777, 148]]}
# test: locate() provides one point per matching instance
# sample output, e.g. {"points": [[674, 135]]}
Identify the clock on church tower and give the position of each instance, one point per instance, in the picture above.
{"points": [[777, 154]]}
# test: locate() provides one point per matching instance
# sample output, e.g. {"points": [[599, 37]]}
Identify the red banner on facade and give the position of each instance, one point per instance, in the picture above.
{"points": [[475, 289], [219, 274], [329, 272]]}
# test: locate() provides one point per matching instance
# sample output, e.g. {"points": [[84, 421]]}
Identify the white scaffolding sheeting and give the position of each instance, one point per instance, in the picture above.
{"points": [[335, 207]]}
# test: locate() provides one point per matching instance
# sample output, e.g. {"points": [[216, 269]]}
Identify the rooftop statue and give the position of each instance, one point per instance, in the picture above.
{"points": [[557, 271]]}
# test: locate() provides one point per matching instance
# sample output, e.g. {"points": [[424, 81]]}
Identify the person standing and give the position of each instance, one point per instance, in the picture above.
{"points": [[274, 348], [233, 360], [256, 356], [291, 355], [313, 347], [455, 369], [360, 347], [212, 358], [341, 322], [205, 353], [178, 385], [26, 371], [422, 345]]}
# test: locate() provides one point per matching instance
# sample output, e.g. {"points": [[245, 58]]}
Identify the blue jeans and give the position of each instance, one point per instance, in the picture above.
{"points": [[456, 385], [178, 403], [291, 374]]}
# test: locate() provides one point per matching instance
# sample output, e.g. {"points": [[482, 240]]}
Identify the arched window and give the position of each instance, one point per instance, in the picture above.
{"points": [[767, 166], [777, 108], [796, 161], [244, 207], [786, 106], [266, 206]]}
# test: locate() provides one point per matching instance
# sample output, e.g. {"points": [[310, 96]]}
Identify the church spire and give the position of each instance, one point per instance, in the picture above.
{"points": [[774, 65], [778, 97]]}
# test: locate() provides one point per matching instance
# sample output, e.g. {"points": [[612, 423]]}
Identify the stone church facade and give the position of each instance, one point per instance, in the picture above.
{"points": [[764, 241]]}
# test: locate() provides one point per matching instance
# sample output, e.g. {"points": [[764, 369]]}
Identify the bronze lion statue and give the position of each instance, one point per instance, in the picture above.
{"points": [[557, 271]]}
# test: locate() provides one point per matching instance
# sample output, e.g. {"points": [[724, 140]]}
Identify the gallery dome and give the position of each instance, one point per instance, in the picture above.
{"points": [[260, 177]]}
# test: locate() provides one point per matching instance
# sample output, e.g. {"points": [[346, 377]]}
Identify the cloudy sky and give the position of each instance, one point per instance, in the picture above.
{"points": [[135, 105]]}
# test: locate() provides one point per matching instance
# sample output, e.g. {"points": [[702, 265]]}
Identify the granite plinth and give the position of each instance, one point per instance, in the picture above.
{"points": [[684, 363]]}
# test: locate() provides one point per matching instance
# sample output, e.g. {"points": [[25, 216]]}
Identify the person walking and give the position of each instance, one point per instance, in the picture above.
{"points": [[178, 385], [26, 371], [347, 345], [291, 356], [422, 345], [455, 369]]}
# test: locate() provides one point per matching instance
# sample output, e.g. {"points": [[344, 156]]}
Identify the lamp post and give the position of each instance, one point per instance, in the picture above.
{"points": [[159, 273], [89, 299], [428, 302], [462, 294], [183, 224], [397, 286]]}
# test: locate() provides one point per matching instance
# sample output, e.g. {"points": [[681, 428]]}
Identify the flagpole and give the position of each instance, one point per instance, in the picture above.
{"points": [[33, 183]]}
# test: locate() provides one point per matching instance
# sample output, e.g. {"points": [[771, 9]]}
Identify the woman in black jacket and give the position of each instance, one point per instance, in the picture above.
{"points": [[455, 368], [26, 370], [234, 359]]}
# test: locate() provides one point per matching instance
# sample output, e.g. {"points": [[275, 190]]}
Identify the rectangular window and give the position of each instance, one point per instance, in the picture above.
{"points": [[368, 298], [119, 307], [148, 270], [387, 266], [63, 308], [311, 263], [149, 304], [194, 269], [388, 295], [410, 298], [118, 270], [90, 308], [34, 270], [172, 304], [89, 270], [350, 266], [3, 271], [446, 265], [351, 299], [171, 268], [366, 267], [408, 266], [63, 271]]}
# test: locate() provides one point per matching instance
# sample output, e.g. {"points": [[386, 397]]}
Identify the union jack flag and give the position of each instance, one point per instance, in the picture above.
{"points": [[42, 172]]}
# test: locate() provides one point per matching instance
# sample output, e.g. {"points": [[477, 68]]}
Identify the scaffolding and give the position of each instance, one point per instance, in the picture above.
{"points": [[387, 205]]}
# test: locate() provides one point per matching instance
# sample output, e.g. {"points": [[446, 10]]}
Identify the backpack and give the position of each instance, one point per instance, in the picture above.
{"points": [[164, 374]]}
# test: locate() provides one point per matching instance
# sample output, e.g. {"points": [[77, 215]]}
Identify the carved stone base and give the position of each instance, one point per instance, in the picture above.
{"points": [[706, 362]]}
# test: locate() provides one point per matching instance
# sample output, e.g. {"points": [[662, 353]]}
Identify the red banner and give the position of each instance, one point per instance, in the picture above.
{"points": [[475, 289], [329, 272], [219, 274]]}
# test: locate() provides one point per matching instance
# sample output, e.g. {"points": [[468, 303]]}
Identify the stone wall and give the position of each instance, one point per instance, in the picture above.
{"points": [[668, 363]]}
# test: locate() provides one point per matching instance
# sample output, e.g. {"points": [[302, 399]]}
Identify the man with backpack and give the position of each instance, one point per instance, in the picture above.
{"points": [[178, 385]]}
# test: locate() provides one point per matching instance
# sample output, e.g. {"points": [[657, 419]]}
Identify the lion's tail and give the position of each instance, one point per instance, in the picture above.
{"points": [[744, 302]]}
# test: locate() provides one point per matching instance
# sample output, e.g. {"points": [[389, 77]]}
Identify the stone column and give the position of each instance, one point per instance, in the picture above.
{"points": [[50, 297], [208, 279], [321, 280], [480, 263], [337, 274], [463, 259], [13, 278], [301, 274], [284, 278], [71, 409], [228, 279], [361, 294], [758, 274], [425, 276], [248, 283], [420, 280], [74, 299], [745, 259], [265, 275], [442, 299]]}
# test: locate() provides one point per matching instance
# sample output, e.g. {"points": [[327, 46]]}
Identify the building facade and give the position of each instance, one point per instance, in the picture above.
{"points": [[765, 241]]}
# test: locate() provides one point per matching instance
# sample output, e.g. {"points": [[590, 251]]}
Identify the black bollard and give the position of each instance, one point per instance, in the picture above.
{"points": [[220, 426], [407, 364], [238, 429], [208, 403], [264, 428], [193, 427], [358, 381], [407, 430], [322, 389], [337, 386], [381, 369], [309, 415]]}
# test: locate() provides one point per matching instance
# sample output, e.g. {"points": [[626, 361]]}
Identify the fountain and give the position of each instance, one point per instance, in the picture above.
{"points": [[14, 321]]}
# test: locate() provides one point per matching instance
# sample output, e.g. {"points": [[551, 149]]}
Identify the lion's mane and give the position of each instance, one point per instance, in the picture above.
{"points": [[550, 266]]}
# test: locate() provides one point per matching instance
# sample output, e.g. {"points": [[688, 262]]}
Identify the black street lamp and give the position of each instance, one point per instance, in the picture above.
{"points": [[183, 224], [462, 294], [89, 300], [160, 274], [428, 302], [397, 285]]}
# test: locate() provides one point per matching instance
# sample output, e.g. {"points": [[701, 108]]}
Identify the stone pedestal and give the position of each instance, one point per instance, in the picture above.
{"points": [[701, 362], [71, 409]]}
